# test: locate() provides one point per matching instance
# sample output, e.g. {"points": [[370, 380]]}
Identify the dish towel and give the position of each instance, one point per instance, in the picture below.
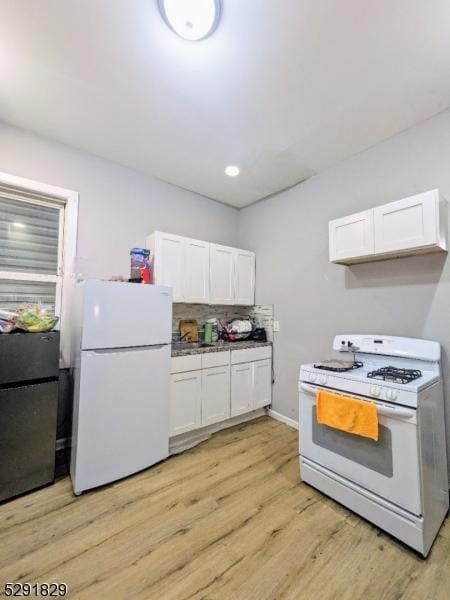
{"points": [[347, 414]]}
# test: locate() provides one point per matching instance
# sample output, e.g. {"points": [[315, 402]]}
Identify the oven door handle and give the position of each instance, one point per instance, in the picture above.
{"points": [[382, 410], [310, 389]]}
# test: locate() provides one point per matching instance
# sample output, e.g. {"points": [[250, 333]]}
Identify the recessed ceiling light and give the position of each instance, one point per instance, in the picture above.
{"points": [[19, 225], [232, 171], [191, 19]]}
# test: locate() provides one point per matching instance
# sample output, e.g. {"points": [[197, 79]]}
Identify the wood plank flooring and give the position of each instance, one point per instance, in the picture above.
{"points": [[227, 520]]}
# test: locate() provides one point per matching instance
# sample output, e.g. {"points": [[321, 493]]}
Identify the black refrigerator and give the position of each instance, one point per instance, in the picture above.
{"points": [[29, 370]]}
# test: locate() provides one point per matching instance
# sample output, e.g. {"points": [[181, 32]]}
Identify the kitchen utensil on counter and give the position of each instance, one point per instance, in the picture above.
{"points": [[189, 330], [259, 334], [242, 328]]}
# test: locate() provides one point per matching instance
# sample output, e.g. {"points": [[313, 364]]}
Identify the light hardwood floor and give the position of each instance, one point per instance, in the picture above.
{"points": [[226, 520]]}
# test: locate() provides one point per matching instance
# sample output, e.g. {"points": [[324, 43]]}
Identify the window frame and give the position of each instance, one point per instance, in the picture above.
{"points": [[28, 190]]}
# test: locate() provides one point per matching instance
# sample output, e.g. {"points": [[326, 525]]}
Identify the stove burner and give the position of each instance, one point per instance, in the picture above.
{"points": [[337, 368], [395, 374]]}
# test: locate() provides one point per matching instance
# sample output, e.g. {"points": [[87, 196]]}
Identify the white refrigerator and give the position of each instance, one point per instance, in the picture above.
{"points": [[121, 341]]}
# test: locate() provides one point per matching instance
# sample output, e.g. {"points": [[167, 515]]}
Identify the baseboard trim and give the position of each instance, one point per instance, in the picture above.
{"points": [[279, 417]]}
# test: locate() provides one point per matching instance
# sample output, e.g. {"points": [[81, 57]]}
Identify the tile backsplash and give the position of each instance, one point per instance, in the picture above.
{"points": [[261, 314]]}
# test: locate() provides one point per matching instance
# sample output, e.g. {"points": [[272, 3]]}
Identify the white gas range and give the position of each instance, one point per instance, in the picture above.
{"points": [[399, 482]]}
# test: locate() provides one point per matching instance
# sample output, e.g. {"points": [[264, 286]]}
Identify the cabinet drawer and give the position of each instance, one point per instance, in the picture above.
{"points": [[215, 359], [250, 354], [181, 364]]}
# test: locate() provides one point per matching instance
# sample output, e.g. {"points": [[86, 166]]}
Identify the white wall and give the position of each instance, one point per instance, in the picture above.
{"points": [[314, 300], [118, 206]]}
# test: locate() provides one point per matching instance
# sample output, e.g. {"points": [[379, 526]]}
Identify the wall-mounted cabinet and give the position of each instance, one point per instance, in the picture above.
{"points": [[196, 283], [414, 225], [352, 237], [232, 276], [183, 264], [209, 388], [203, 273], [222, 274]]}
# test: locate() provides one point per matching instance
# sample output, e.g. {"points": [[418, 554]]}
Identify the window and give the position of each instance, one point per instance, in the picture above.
{"points": [[37, 248], [31, 242]]}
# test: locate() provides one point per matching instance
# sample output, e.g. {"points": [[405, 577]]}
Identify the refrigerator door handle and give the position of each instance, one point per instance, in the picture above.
{"points": [[125, 349]]}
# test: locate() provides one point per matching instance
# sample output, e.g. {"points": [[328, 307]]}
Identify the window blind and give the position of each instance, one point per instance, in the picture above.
{"points": [[14, 294], [29, 235]]}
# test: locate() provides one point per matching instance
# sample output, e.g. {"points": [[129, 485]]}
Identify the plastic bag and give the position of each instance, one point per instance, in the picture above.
{"points": [[6, 326], [35, 319]]}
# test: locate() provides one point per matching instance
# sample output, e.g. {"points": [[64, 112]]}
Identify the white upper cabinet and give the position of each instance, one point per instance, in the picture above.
{"points": [[182, 263], [351, 236], [202, 273], [197, 271], [414, 225], [409, 223], [222, 274], [244, 278], [169, 264], [232, 276]]}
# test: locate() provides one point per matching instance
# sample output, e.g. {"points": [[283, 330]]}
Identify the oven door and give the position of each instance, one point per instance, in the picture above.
{"points": [[388, 467]]}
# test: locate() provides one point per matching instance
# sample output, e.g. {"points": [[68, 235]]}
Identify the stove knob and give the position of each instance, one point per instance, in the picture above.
{"points": [[391, 394], [322, 379], [375, 391]]}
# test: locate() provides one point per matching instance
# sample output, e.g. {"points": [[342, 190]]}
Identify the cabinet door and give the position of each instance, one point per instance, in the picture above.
{"points": [[407, 223], [241, 389], [185, 402], [197, 272], [352, 236], [222, 274], [170, 263], [215, 395], [244, 277], [262, 383]]}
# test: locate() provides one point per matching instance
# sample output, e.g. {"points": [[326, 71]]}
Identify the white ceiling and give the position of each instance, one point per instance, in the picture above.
{"points": [[283, 88]]}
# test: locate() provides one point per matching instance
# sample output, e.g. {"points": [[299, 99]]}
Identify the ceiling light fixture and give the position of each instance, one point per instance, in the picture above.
{"points": [[191, 19], [232, 171]]}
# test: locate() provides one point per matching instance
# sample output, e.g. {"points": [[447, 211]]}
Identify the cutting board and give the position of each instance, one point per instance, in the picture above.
{"points": [[189, 330]]}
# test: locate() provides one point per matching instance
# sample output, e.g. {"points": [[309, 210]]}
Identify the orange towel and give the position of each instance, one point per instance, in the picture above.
{"points": [[348, 414]]}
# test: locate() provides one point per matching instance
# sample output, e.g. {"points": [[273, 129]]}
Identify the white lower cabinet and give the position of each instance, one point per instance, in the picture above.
{"points": [[205, 389], [215, 399], [262, 383], [185, 402], [251, 386], [241, 388]]}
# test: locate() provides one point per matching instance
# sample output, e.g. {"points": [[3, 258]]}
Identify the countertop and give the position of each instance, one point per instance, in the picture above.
{"points": [[218, 347]]}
